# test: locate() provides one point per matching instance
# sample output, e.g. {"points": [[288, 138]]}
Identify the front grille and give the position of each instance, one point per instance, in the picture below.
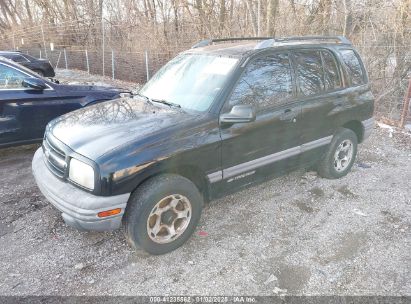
{"points": [[55, 157]]}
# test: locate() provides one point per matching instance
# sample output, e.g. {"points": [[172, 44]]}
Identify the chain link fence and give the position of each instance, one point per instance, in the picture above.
{"points": [[128, 66], [136, 52]]}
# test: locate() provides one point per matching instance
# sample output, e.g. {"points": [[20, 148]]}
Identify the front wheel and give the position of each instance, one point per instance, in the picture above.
{"points": [[340, 156], [162, 213]]}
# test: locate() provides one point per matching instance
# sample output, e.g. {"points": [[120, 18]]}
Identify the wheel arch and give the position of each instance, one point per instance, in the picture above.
{"points": [[357, 127], [189, 171]]}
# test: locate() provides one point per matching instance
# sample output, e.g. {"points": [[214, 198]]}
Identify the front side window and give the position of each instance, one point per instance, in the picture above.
{"points": [[265, 82], [191, 81], [10, 78], [354, 68], [331, 75], [310, 74]]}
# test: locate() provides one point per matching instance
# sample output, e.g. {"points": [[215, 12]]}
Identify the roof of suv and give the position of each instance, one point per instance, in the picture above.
{"points": [[11, 52], [240, 47], [228, 49]]}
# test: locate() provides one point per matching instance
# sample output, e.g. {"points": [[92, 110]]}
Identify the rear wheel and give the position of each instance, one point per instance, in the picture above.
{"points": [[340, 156], [162, 213]]}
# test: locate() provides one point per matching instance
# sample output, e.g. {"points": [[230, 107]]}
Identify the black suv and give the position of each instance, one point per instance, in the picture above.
{"points": [[223, 115], [40, 66]]}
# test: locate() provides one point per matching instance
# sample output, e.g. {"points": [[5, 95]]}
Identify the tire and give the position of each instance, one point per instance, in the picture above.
{"points": [[39, 72], [333, 165], [141, 219]]}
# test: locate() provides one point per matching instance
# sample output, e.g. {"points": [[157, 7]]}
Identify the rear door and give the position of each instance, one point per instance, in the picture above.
{"points": [[21, 114], [251, 151], [322, 96], [360, 102]]}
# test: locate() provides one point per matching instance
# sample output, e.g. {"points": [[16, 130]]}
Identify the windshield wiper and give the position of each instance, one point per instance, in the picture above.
{"points": [[170, 104], [144, 96]]}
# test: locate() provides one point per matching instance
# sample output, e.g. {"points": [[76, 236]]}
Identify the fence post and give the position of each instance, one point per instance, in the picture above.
{"points": [[88, 65], [58, 60], [103, 42], [258, 17], [112, 63], [14, 43], [44, 41], [65, 58], [407, 98], [40, 54], [146, 59]]}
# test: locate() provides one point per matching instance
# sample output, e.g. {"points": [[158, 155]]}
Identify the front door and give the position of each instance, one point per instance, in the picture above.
{"points": [[21, 115], [269, 145]]}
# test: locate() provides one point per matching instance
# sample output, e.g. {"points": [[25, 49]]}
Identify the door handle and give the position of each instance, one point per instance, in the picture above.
{"points": [[288, 115]]}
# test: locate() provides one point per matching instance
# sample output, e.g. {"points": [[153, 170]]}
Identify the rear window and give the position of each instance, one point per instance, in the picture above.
{"points": [[15, 57], [19, 58], [354, 67]]}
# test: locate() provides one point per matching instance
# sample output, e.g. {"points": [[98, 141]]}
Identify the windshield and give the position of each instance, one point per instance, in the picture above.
{"points": [[191, 81], [22, 68]]}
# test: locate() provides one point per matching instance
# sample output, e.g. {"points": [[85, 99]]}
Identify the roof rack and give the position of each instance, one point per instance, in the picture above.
{"points": [[206, 42], [336, 39], [269, 41]]}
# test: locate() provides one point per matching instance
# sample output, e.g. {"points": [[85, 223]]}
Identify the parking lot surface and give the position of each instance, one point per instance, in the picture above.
{"points": [[296, 234]]}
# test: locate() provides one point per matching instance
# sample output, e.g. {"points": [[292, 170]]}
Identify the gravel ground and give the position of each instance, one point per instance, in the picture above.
{"points": [[297, 234], [82, 77]]}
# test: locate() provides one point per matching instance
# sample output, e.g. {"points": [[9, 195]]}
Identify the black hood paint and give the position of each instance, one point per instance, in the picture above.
{"points": [[98, 129], [88, 88]]}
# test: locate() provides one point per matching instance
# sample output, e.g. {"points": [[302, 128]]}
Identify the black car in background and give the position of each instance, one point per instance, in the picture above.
{"points": [[40, 66], [28, 102]]}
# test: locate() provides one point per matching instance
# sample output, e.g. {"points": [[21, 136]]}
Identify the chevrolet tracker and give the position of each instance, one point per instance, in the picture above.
{"points": [[217, 118]]}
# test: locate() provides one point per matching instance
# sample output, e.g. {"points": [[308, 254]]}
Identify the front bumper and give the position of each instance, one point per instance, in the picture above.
{"points": [[79, 208]]}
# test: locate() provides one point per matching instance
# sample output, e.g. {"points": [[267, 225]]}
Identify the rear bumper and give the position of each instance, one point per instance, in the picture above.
{"points": [[79, 208], [368, 126]]}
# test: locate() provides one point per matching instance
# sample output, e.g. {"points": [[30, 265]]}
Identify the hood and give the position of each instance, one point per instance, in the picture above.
{"points": [[98, 129], [89, 88]]}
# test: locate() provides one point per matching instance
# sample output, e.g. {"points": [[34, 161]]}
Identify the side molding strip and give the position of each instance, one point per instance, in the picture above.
{"points": [[215, 177], [265, 160], [316, 143], [260, 162]]}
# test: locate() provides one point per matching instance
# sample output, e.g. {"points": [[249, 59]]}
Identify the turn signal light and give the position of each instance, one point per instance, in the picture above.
{"points": [[109, 212]]}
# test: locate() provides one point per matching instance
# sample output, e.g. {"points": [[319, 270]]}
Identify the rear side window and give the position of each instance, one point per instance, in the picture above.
{"points": [[265, 82], [7, 56], [331, 75], [310, 74], [354, 67], [17, 58]]}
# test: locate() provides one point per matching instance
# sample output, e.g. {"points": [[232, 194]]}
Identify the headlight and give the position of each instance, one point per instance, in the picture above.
{"points": [[81, 174]]}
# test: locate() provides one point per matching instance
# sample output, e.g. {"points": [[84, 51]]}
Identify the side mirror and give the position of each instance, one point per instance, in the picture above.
{"points": [[238, 114], [34, 83]]}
